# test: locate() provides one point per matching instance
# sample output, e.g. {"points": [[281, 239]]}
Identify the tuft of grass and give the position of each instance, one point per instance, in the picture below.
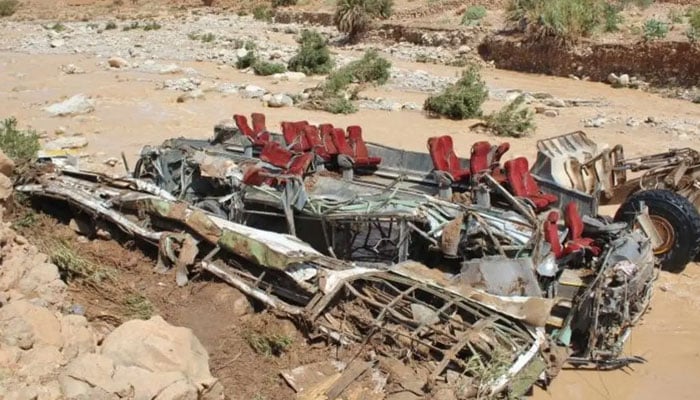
{"points": [[27, 220], [20, 146], [313, 56], [513, 120], [138, 306], [152, 26], [270, 344], [110, 25], [205, 38], [246, 61], [461, 100], [8, 7], [473, 15], [567, 20], [73, 266], [57, 27], [612, 17], [655, 29], [675, 16], [262, 13], [132, 26], [693, 32], [265, 68], [353, 17]]}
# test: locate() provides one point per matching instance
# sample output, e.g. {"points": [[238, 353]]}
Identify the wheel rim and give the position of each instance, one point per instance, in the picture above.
{"points": [[666, 233]]}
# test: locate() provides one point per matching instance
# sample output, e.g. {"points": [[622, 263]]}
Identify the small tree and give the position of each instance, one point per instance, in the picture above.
{"points": [[461, 100], [353, 17], [21, 146], [313, 57], [513, 120]]}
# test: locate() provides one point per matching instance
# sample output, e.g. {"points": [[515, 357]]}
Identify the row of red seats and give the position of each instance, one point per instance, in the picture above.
{"points": [[575, 241], [484, 158]]}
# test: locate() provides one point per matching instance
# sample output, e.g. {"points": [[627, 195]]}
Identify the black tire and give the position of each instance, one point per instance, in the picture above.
{"points": [[675, 213]]}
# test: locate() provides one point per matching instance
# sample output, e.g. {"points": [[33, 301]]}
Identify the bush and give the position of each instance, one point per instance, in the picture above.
{"points": [[8, 7], [246, 61], [513, 120], [21, 146], [283, 3], [694, 18], [151, 26], [473, 15], [352, 17], [313, 56], [110, 25], [461, 100], [370, 68], [564, 19], [262, 13], [265, 68], [655, 29], [612, 17]]}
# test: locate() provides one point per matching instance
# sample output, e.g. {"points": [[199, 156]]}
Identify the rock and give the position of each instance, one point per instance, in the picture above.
{"points": [[78, 104], [411, 106], [241, 307], [633, 122], [559, 103], [25, 325], [149, 385], [86, 372], [551, 113], [613, 79], [463, 49], [5, 187], [196, 94], [280, 100], [56, 43], [156, 346], [242, 52], [39, 363], [111, 162], [6, 165], [118, 62], [289, 76], [42, 281], [624, 80], [78, 337], [595, 122], [252, 92], [170, 69], [72, 69], [66, 142]]}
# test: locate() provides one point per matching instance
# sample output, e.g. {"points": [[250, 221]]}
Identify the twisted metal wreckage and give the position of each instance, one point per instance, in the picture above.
{"points": [[378, 260]]}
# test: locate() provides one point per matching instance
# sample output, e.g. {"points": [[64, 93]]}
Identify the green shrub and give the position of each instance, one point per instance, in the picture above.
{"points": [[110, 25], [370, 68], [655, 29], [8, 7], [283, 3], [21, 146], [461, 100], [694, 18], [612, 17], [262, 13], [473, 15], [352, 17], [313, 56], [265, 68], [565, 19], [133, 25], [58, 27], [513, 120], [246, 61], [151, 26]]}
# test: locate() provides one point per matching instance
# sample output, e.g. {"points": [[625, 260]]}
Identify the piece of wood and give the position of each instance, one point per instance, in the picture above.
{"points": [[351, 373]]}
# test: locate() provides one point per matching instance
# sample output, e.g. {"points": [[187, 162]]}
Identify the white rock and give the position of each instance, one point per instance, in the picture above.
{"points": [[170, 69], [57, 43], [612, 78], [195, 94], [78, 104], [280, 100], [289, 76], [118, 62], [596, 122], [624, 80], [242, 52], [252, 91], [72, 69]]}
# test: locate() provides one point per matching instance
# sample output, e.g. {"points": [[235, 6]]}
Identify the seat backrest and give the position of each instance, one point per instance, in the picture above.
{"points": [[453, 162], [258, 122], [341, 143], [242, 124], [356, 141], [551, 233], [573, 221], [275, 154], [500, 150], [288, 132], [314, 140], [300, 164], [437, 153], [255, 176], [327, 138], [479, 158], [519, 177]]}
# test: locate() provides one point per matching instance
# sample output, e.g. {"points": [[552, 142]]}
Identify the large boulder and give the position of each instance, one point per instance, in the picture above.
{"points": [[78, 104], [26, 325], [5, 187], [158, 347]]}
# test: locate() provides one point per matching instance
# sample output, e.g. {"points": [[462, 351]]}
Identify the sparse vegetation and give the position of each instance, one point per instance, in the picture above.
{"points": [[675, 16], [268, 344], [21, 146], [693, 32], [8, 7], [612, 17], [353, 17], [639, 3], [655, 29], [74, 266], [205, 38], [138, 306], [133, 25], [564, 19], [513, 120], [110, 25], [473, 15], [247, 60], [461, 100], [283, 3], [262, 13], [265, 68], [57, 27], [313, 56], [151, 26]]}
